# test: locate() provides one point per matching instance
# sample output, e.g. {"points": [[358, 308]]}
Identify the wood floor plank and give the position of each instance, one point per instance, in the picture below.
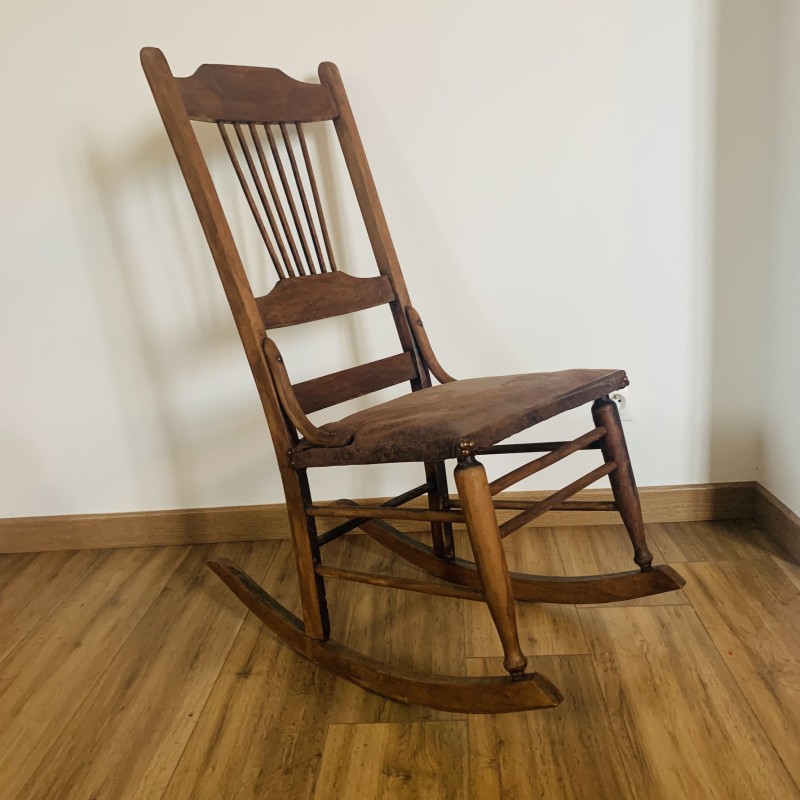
{"points": [[752, 612], [262, 730], [34, 588], [600, 549], [46, 678], [570, 752], [402, 761], [13, 563], [665, 683], [732, 540], [390, 624], [128, 735], [141, 680], [544, 629], [789, 567]]}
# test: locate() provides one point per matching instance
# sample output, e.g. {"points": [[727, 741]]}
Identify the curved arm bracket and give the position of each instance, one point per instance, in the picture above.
{"points": [[291, 406], [425, 349]]}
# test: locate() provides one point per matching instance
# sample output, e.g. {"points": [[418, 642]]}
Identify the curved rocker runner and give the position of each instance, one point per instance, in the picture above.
{"points": [[608, 588], [456, 694], [266, 120]]}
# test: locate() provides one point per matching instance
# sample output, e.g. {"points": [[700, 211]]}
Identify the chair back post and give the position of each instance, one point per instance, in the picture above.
{"points": [[389, 265], [215, 227], [250, 325], [372, 213]]}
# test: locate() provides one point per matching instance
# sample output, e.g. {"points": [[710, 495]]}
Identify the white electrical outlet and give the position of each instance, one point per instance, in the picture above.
{"points": [[624, 401]]}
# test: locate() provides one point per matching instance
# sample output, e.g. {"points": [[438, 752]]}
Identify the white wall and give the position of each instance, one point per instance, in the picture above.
{"points": [[780, 453], [744, 105], [545, 167]]}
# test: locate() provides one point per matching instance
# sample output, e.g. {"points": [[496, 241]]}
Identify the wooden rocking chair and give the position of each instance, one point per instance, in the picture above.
{"points": [[255, 109]]}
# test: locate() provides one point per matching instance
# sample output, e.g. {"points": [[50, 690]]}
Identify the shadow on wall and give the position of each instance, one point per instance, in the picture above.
{"points": [[744, 139], [196, 430], [26, 475], [166, 330]]}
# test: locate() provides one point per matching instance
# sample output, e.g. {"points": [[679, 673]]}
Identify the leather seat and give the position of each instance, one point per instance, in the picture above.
{"points": [[429, 424]]}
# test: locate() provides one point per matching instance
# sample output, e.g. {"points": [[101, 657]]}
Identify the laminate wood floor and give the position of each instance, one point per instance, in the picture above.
{"points": [[136, 674]]}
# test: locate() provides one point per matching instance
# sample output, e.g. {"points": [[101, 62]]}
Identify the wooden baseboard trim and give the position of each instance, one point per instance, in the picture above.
{"points": [[777, 520], [252, 523]]}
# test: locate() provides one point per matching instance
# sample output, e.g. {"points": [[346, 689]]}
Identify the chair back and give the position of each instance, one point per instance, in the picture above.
{"points": [[260, 114]]}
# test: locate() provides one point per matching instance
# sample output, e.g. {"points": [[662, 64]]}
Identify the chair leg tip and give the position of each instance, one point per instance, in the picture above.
{"points": [[550, 690], [516, 666]]}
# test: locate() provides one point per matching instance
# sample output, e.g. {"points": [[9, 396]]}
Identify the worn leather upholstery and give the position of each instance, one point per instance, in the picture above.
{"points": [[429, 424]]}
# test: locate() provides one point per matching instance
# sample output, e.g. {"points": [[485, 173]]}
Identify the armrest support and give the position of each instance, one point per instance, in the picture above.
{"points": [[291, 406], [424, 346]]}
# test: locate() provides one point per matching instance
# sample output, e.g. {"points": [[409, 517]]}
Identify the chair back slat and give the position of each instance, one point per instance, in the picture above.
{"points": [[237, 167], [281, 239], [297, 269], [253, 94], [298, 180], [287, 191], [339, 387], [315, 297], [260, 189], [315, 193]]}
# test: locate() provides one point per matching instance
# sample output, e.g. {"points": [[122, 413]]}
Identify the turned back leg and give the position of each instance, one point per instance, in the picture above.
{"points": [[623, 485], [439, 500], [303, 528]]}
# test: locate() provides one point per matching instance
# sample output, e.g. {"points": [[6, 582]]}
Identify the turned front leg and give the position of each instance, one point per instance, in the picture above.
{"points": [[623, 485], [490, 560]]}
